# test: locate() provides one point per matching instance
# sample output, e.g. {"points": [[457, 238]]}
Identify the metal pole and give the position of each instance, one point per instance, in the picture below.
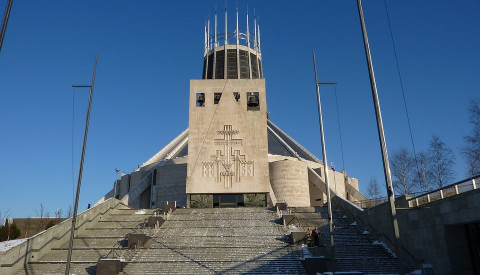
{"points": [[5, 21], [325, 168], [383, 144], [74, 218]]}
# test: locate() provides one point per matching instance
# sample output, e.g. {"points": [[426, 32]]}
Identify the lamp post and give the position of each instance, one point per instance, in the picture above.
{"points": [[80, 171], [325, 163]]}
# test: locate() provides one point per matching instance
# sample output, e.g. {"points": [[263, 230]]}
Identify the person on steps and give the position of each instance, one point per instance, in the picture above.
{"points": [[316, 236]]}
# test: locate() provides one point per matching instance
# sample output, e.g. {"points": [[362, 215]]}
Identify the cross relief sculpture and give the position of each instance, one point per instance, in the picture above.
{"points": [[228, 164]]}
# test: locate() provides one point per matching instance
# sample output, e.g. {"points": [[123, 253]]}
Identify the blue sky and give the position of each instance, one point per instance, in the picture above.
{"points": [[149, 50]]}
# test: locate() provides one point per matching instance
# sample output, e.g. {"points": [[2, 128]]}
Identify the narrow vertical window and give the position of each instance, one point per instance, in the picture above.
{"points": [[236, 95], [216, 97], [253, 102], [200, 99]]}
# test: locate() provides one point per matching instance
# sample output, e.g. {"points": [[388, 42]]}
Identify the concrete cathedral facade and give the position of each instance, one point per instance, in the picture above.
{"points": [[231, 154]]}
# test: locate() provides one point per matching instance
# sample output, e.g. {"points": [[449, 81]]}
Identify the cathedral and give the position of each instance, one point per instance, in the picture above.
{"points": [[231, 155]]}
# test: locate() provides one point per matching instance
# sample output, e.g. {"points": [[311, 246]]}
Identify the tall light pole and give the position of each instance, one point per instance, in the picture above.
{"points": [[324, 152], [80, 171], [5, 22], [383, 144]]}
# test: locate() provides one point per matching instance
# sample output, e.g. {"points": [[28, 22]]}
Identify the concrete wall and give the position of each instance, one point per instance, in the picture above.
{"points": [[124, 185], [37, 246], [171, 184], [316, 182], [433, 234], [289, 180]]}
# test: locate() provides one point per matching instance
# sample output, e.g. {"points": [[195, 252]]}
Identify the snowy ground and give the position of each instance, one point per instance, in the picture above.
{"points": [[4, 246]]}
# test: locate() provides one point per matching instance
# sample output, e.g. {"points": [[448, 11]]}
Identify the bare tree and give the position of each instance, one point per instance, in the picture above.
{"points": [[471, 150], [41, 215], [423, 175], [4, 216], [373, 188], [403, 173], [442, 160], [58, 215], [69, 212], [27, 226]]}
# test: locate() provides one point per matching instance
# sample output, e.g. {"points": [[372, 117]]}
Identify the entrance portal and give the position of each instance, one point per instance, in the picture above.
{"points": [[228, 200]]}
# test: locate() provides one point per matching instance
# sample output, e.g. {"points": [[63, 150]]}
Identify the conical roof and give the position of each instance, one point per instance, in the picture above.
{"points": [[279, 143]]}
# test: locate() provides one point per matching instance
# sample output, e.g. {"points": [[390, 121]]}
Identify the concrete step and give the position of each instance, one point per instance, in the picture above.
{"points": [[214, 241], [77, 255], [118, 224], [102, 232], [216, 267], [92, 242], [225, 222], [370, 265], [221, 232], [58, 268], [215, 254]]}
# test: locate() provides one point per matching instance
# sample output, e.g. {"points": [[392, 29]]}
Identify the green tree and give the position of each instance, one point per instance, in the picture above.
{"points": [[9, 232], [50, 224]]}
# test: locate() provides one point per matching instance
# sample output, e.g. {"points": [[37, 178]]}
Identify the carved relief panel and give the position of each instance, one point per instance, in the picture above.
{"points": [[228, 165]]}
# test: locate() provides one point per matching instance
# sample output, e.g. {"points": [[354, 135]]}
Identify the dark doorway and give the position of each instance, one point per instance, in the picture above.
{"points": [[473, 239], [228, 200]]}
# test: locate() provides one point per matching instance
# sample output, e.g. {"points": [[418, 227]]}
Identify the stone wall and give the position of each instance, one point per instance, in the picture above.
{"points": [[433, 234], [35, 247], [289, 180], [171, 184]]}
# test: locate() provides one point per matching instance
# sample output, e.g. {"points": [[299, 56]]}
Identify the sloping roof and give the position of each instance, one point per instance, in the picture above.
{"points": [[279, 143]]}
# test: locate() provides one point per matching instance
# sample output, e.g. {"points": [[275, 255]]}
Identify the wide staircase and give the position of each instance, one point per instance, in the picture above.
{"points": [[355, 249], [215, 241], [218, 240], [97, 240]]}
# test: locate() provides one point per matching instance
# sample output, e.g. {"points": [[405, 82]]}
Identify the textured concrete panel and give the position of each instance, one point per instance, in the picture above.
{"points": [[289, 180], [227, 143], [171, 184]]}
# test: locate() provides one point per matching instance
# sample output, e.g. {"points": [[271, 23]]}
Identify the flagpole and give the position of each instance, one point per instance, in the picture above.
{"points": [[383, 144]]}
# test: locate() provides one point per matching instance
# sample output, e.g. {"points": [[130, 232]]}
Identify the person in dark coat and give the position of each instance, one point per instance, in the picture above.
{"points": [[316, 236]]}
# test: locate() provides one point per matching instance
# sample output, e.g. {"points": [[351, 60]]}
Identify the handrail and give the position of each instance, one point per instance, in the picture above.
{"points": [[427, 197], [368, 203], [117, 246]]}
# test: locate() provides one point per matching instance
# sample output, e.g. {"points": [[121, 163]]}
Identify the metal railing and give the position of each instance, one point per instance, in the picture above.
{"points": [[364, 204], [368, 203], [445, 192]]}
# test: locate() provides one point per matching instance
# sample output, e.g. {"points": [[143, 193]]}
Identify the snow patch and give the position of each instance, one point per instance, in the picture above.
{"points": [[140, 212], [6, 245], [354, 223], [365, 232], [344, 217]]}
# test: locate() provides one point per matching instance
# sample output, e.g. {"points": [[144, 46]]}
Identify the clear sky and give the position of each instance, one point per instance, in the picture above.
{"points": [[149, 50]]}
